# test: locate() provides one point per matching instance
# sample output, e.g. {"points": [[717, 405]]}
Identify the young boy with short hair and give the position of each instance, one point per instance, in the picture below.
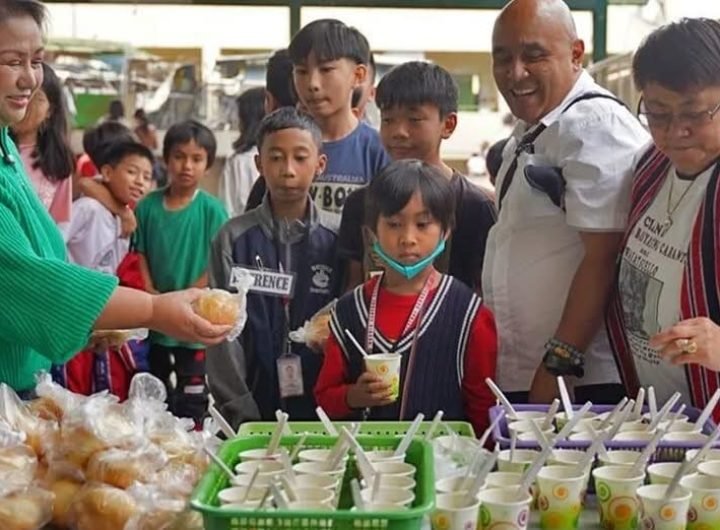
{"points": [[418, 104], [286, 234], [330, 60], [93, 240], [176, 225]]}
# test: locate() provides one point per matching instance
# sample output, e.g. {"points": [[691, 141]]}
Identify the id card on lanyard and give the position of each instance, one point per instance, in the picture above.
{"points": [[289, 365]]}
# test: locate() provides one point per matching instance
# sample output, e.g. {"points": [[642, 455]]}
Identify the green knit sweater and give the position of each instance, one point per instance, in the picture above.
{"points": [[47, 306]]}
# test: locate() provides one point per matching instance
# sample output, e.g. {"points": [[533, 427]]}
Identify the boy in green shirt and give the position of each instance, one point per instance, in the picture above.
{"points": [[176, 225]]}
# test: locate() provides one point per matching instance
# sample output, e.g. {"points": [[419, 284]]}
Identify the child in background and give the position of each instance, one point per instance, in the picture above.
{"points": [[279, 92], [418, 104], [364, 93], [175, 228], [240, 173], [93, 240], [286, 232], [43, 141], [330, 60], [446, 338]]}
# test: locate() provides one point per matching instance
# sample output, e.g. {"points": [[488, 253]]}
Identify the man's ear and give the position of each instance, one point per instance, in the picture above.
{"points": [[321, 165], [258, 163], [106, 172], [578, 53], [361, 73]]}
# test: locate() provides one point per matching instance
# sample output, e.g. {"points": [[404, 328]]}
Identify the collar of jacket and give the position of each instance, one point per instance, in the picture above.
{"points": [[281, 230]]}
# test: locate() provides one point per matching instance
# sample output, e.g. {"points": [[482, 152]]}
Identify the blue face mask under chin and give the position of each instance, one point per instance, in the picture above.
{"points": [[410, 271]]}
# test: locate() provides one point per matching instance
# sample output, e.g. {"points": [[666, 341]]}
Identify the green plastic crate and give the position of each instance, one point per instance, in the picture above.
{"points": [[369, 428], [204, 498]]}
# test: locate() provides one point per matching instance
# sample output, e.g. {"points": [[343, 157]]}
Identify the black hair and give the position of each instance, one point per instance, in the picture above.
{"points": [[288, 118], [418, 83], [279, 79], [141, 117], [24, 8], [187, 131], [116, 110], [52, 153], [679, 56], [493, 158], [97, 140], [251, 109], [391, 189], [329, 40], [357, 93], [118, 151]]}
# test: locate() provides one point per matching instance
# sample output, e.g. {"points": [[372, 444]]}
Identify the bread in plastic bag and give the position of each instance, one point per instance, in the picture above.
{"points": [[122, 468], [53, 399], [19, 417], [114, 338], [97, 424], [28, 509], [65, 490], [101, 507], [316, 331], [157, 511]]}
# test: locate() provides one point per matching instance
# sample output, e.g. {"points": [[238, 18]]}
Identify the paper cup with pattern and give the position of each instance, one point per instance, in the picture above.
{"points": [[704, 512], [454, 512], [559, 498], [502, 509], [657, 512], [521, 460], [615, 488], [662, 472], [387, 367]]}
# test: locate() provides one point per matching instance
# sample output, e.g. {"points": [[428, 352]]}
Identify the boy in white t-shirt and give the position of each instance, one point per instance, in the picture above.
{"points": [[93, 234], [94, 240]]}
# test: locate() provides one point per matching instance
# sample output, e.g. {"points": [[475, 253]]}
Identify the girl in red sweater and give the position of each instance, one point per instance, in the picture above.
{"points": [[446, 337]]}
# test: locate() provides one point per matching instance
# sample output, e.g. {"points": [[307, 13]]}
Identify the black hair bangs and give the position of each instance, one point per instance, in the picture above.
{"points": [[288, 118], [329, 40], [279, 79], [391, 190], [680, 56], [418, 83], [189, 131], [115, 153]]}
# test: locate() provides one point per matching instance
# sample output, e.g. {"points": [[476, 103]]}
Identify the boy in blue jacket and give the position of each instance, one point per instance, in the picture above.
{"points": [[286, 238]]}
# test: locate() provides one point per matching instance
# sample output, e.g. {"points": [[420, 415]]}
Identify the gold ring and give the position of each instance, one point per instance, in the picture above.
{"points": [[686, 346]]}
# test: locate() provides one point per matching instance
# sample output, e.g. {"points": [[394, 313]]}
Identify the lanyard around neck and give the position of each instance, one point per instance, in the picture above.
{"points": [[412, 318]]}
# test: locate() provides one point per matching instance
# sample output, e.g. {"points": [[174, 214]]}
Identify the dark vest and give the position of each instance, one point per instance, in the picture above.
{"points": [[438, 367]]}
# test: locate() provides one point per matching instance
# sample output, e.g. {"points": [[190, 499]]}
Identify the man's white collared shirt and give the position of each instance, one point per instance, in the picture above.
{"points": [[535, 248]]}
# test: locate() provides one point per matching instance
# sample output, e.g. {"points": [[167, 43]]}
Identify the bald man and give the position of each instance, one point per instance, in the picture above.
{"points": [[563, 197]]}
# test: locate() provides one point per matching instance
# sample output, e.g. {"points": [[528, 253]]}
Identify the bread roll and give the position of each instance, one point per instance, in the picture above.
{"points": [[102, 507], [218, 307], [28, 510], [65, 491]]}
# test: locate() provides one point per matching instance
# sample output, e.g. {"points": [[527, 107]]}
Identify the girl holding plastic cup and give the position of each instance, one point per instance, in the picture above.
{"points": [[434, 340]]}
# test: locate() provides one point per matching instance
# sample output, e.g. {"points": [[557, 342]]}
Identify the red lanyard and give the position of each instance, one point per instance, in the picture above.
{"points": [[417, 308]]}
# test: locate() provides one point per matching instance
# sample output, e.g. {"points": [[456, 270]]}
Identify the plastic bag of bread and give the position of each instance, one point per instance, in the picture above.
{"points": [[316, 331], [98, 506], [19, 417], [102, 339], [53, 400], [177, 480], [157, 511], [26, 509], [64, 489], [222, 307], [121, 468], [96, 424], [18, 462]]}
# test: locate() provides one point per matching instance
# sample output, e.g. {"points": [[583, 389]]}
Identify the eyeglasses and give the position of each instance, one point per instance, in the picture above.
{"points": [[663, 120]]}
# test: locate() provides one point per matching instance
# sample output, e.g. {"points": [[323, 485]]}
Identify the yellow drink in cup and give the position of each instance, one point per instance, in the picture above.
{"points": [[387, 367]]}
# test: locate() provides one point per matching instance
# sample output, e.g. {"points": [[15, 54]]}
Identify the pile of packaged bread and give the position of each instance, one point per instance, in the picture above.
{"points": [[88, 463]]}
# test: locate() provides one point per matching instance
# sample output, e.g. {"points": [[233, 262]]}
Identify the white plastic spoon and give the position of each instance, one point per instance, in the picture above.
{"points": [[276, 436], [225, 427], [639, 465], [434, 425], [356, 495], [483, 439], [707, 411], [547, 422], [565, 396], [509, 410], [220, 463], [327, 423], [652, 402], [405, 442], [639, 402]]}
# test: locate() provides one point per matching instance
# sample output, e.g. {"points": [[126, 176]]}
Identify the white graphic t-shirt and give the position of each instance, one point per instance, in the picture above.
{"points": [[651, 275]]}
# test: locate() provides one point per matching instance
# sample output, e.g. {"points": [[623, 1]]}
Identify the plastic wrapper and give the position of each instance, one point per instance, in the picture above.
{"points": [[19, 417], [98, 506], [241, 281], [97, 424], [114, 338], [53, 400], [316, 331], [177, 480], [28, 509], [157, 511], [120, 468]]}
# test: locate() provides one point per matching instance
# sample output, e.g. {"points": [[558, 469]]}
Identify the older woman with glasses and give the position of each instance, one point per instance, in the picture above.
{"points": [[664, 320]]}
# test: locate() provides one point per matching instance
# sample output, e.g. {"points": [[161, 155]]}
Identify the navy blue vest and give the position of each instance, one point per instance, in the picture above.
{"points": [[438, 367], [313, 260]]}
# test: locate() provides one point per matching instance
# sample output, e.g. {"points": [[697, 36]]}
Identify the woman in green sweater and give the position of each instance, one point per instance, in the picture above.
{"points": [[50, 307]]}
